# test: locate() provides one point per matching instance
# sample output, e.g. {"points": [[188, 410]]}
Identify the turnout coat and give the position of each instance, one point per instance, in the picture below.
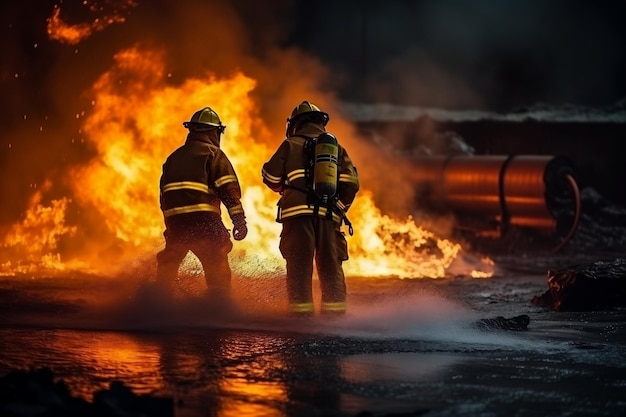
{"points": [[285, 173]]}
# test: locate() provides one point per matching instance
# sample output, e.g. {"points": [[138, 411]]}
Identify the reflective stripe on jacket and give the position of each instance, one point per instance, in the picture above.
{"points": [[198, 176]]}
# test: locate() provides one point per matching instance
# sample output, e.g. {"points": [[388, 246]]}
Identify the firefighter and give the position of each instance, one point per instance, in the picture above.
{"points": [[311, 223], [197, 178]]}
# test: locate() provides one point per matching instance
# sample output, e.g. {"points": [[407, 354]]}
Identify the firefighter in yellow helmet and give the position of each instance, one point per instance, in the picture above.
{"points": [[197, 178], [317, 183]]}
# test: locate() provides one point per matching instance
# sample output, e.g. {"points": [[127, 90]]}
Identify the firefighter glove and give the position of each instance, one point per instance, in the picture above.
{"points": [[240, 229]]}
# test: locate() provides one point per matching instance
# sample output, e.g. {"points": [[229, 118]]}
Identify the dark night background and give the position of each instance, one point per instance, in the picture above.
{"points": [[459, 55], [496, 55]]}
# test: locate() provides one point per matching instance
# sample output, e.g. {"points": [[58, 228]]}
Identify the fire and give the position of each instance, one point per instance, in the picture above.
{"points": [[134, 123], [384, 246], [34, 241], [60, 30]]}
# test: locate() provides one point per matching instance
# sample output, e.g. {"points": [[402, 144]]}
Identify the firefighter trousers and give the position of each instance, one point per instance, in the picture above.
{"points": [[306, 239], [205, 236]]}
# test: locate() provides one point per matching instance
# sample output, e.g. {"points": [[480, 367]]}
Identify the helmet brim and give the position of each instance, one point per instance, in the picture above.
{"points": [[203, 126]]}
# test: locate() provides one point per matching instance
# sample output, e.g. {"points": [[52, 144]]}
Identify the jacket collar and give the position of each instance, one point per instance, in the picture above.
{"points": [[310, 129], [209, 136]]}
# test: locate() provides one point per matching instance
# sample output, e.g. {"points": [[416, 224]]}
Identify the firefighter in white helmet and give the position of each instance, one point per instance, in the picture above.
{"points": [[197, 178], [317, 183]]}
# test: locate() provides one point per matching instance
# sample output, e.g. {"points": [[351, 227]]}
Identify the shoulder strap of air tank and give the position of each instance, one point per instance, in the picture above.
{"points": [[308, 155], [339, 160]]}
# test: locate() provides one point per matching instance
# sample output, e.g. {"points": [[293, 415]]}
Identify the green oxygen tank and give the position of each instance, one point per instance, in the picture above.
{"points": [[326, 170]]}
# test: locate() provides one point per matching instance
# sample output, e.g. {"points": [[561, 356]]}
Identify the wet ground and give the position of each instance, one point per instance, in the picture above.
{"points": [[406, 348]]}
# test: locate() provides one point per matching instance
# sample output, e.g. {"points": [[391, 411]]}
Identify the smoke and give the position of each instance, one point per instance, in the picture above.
{"points": [[475, 55], [430, 317]]}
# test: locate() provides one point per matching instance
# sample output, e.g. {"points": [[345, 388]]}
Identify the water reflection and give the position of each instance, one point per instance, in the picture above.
{"points": [[224, 373], [396, 366], [313, 378], [86, 361], [210, 373]]}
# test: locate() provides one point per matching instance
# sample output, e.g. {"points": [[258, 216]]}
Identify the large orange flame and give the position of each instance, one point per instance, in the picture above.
{"points": [[136, 121]]}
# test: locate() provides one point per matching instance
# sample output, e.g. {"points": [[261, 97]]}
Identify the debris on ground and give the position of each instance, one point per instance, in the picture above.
{"points": [[518, 323], [600, 285]]}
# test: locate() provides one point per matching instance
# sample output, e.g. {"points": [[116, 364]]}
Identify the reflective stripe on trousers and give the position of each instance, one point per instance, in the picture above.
{"points": [[338, 307], [301, 308]]}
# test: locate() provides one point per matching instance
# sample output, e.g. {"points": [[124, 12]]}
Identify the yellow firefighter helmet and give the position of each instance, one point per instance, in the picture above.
{"points": [[205, 119], [306, 111]]}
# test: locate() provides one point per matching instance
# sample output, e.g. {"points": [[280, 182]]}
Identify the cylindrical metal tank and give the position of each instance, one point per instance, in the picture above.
{"points": [[473, 184], [523, 190]]}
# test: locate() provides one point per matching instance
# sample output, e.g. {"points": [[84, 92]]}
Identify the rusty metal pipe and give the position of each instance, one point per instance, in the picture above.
{"points": [[533, 191]]}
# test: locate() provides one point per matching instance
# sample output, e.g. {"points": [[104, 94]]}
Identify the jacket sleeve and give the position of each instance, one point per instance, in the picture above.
{"points": [[274, 171], [348, 184], [161, 183], [226, 184]]}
